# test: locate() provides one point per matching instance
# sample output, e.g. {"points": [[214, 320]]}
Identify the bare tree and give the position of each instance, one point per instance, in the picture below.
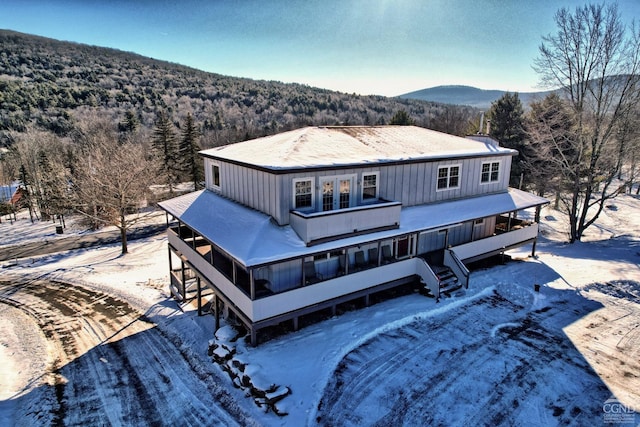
{"points": [[595, 59], [112, 181], [550, 156]]}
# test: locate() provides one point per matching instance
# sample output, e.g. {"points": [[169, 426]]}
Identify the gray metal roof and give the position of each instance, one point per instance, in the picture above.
{"points": [[333, 146]]}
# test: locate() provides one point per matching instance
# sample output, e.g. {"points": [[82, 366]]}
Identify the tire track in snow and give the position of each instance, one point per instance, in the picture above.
{"points": [[113, 366], [450, 370]]}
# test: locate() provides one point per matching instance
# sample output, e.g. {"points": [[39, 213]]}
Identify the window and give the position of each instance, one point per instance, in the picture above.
{"points": [[369, 186], [303, 193], [448, 177], [215, 176], [490, 172]]}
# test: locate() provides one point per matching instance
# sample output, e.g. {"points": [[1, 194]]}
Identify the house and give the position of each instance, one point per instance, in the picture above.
{"points": [[10, 193], [304, 220]]}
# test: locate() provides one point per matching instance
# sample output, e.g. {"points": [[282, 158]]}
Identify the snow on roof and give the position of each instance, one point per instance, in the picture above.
{"points": [[253, 238], [351, 145], [7, 191]]}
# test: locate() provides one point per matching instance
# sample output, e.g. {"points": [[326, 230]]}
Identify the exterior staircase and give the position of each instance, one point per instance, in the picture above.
{"points": [[448, 282]]}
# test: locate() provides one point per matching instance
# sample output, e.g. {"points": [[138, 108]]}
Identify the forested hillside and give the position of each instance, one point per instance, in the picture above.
{"points": [[53, 85]]}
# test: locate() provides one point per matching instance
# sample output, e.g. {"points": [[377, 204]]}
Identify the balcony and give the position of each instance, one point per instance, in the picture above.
{"points": [[502, 240], [317, 227]]}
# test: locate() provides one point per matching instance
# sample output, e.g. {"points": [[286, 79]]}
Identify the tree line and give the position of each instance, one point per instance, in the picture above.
{"points": [[150, 119], [53, 84], [105, 171]]}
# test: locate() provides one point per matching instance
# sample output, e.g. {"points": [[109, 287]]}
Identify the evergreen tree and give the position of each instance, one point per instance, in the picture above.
{"points": [[189, 160], [401, 117], [130, 123], [166, 149], [507, 126]]}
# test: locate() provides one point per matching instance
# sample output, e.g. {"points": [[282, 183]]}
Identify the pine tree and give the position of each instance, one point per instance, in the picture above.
{"points": [[188, 148], [166, 149], [402, 118], [507, 126], [130, 123]]}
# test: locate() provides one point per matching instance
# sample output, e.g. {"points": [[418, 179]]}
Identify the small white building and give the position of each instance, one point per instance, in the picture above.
{"points": [[305, 220]]}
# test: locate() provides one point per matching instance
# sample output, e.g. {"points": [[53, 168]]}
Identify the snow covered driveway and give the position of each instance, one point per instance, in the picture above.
{"points": [[502, 358], [104, 363]]}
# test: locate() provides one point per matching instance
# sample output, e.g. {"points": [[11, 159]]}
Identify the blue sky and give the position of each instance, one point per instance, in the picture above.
{"points": [[386, 47]]}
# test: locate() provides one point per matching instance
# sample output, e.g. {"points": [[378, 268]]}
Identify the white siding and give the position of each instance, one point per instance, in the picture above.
{"points": [[411, 183]]}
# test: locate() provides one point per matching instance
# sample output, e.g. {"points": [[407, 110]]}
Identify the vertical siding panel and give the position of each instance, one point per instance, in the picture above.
{"points": [[469, 181], [389, 184], [264, 189], [252, 195], [420, 193], [410, 184], [429, 185], [401, 177]]}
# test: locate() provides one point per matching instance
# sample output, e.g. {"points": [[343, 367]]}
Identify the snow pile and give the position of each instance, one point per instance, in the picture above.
{"points": [[584, 316]]}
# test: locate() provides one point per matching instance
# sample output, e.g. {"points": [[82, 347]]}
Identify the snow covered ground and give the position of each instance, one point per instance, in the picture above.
{"points": [[498, 353]]}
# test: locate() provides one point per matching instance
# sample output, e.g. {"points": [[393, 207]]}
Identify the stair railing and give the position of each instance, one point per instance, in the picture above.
{"points": [[428, 276], [458, 268]]}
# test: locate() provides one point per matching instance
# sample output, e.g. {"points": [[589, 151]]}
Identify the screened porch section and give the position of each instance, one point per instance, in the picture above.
{"points": [[278, 277]]}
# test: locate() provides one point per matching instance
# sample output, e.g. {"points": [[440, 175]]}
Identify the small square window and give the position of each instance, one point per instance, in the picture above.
{"points": [[490, 172], [448, 177]]}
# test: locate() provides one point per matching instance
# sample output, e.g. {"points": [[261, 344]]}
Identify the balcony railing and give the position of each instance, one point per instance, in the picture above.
{"points": [[488, 246], [317, 227]]}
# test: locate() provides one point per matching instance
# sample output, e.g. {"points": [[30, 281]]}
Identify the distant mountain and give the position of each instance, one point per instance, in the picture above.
{"points": [[468, 95]]}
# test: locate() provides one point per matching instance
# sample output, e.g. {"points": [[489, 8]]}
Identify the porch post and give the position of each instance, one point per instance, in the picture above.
{"points": [[536, 219], [199, 291], [183, 280], [217, 310], [252, 285]]}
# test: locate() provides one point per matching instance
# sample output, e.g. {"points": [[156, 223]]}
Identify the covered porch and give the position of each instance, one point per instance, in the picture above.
{"points": [[265, 274]]}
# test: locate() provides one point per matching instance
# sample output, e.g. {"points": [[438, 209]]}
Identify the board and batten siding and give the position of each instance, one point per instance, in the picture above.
{"points": [[250, 187], [409, 183], [415, 183]]}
